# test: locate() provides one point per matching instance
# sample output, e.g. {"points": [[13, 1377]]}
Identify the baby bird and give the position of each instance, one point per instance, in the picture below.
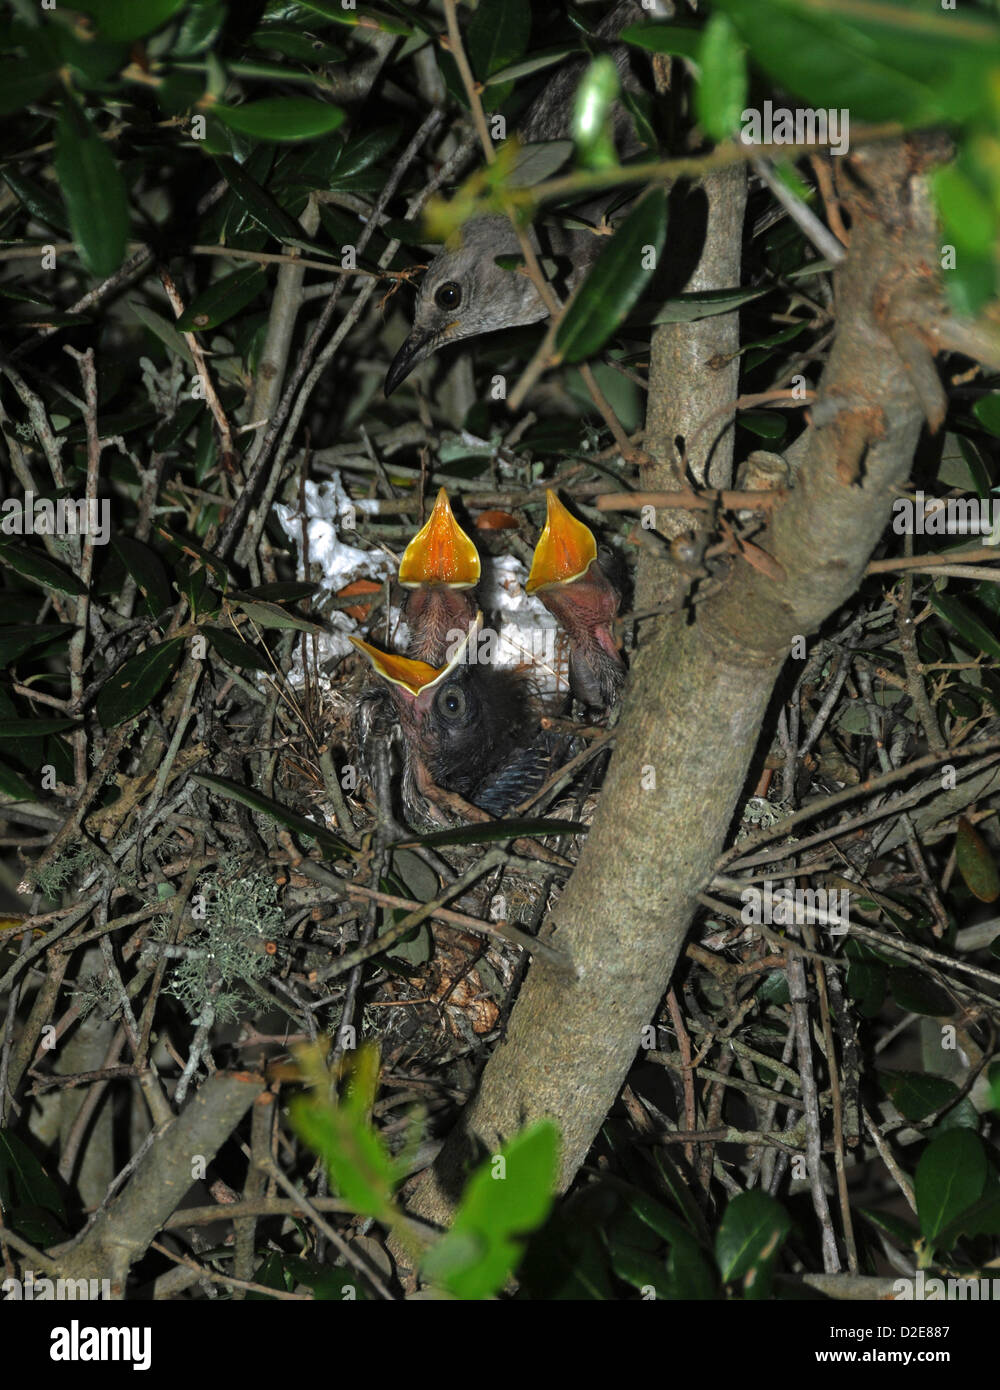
{"points": [[471, 740], [440, 570], [568, 578]]}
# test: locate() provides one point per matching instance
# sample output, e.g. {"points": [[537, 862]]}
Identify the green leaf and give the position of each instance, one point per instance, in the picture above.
{"points": [[615, 280], [987, 412], [126, 19], [976, 863], [506, 1198], [544, 58], [917, 994], [721, 93], [19, 638], [195, 552], [24, 1180], [950, 1176], [236, 651], [752, 1232], [487, 833], [19, 89], [361, 1168], [94, 194], [979, 638], [885, 61], [917, 1094], [664, 38], [497, 35], [146, 568], [13, 786], [162, 328], [260, 205], [363, 16], [982, 1218], [135, 685], [39, 569], [270, 615], [592, 108], [223, 299], [33, 728], [332, 845], [540, 161], [282, 118]]}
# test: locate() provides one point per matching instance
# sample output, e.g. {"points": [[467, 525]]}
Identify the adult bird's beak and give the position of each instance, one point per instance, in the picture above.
{"points": [[439, 567], [568, 578], [415, 348]]}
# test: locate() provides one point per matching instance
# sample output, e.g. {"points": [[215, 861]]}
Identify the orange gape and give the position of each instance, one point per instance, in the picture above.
{"points": [[568, 578]]}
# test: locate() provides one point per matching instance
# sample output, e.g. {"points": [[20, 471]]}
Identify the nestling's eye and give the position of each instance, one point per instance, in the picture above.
{"points": [[451, 703], [448, 295]]}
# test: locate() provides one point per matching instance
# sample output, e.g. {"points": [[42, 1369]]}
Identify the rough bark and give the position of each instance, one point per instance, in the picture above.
{"points": [[696, 700]]}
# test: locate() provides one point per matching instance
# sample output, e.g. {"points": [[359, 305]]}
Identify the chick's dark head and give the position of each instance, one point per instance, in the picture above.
{"points": [[465, 726]]}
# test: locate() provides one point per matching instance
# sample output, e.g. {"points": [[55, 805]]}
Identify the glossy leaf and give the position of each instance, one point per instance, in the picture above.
{"points": [[721, 93], [950, 1176], [134, 686], [127, 19], [615, 281], [885, 61], [33, 728], [282, 118], [237, 651], [976, 862], [332, 845], [506, 1198], [36, 566], [915, 992], [966, 624], [146, 568], [497, 35], [223, 299], [917, 1094], [21, 637], [94, 193], [752, 1232]]}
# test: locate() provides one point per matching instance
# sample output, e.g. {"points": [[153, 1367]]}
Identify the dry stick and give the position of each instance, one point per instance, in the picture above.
{"points": [[684, 1043], [838, 1117], [917, 859], [532, 264], [229, 1281], [255, 1186], [800, 1014], [871, 786], [301, 262], [136, 262], [887, 1157], [349, 1252], [201, 367], [687, 499], [911, 661], [980, 572], [503, 930], [305, 375], [930, 563]]}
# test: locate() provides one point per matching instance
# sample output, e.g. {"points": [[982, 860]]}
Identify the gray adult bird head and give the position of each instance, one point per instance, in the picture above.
{"points": [[464, 292]]}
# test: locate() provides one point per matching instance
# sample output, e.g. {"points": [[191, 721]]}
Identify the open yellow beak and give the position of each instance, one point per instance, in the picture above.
{"points": [[415, 676], [565, 551], [440, 553]]}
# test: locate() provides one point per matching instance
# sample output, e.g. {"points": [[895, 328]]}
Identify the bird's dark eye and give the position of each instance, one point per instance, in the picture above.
{"points": [[451, 702], [448, 295]]}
